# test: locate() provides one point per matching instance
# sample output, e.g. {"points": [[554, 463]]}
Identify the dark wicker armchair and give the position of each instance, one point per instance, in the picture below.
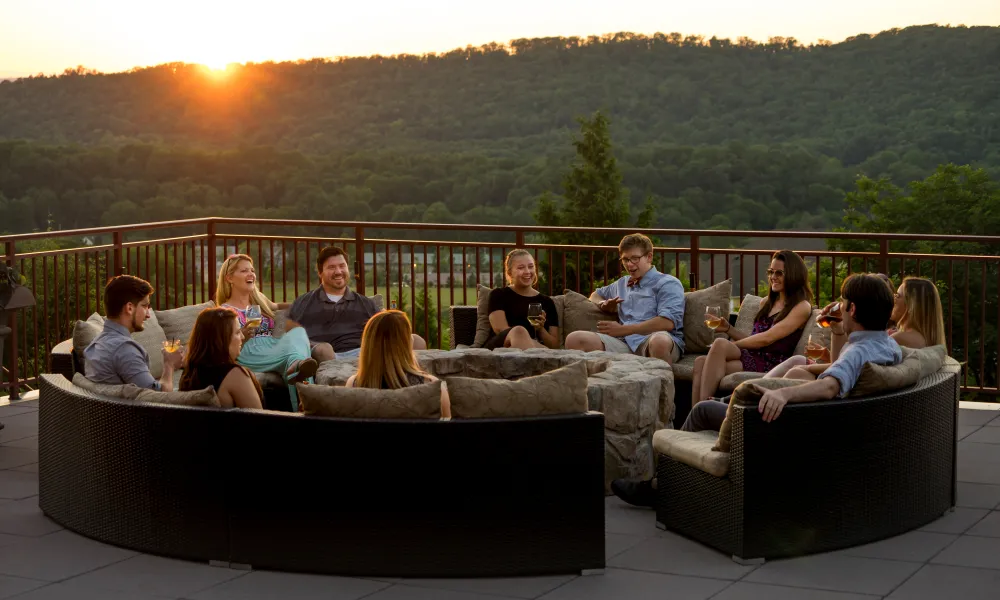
{"points": [[465, 498], [824, 476], [462, 321]]}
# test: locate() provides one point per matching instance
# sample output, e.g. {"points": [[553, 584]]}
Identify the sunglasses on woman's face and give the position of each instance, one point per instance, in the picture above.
{"points": [[775, 273]]}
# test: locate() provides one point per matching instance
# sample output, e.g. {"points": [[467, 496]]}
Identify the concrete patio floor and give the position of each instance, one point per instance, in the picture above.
{"points": [[957, 556]]}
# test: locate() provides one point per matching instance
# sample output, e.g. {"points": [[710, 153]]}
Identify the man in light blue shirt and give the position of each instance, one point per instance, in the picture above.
{"points": [[649, 306], [114, 357], [866, 303]]}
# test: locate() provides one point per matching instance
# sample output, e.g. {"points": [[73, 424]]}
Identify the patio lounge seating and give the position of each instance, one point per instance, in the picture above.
{"points": [[823, 476], [283, 491]]}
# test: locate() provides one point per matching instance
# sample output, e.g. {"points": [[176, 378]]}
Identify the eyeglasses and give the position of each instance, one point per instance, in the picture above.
{"points": [[632, 260], [775, 273]]}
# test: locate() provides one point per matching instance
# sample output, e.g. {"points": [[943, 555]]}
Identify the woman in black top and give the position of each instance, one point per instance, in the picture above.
{"points": [[508, 308], [211, 360]]}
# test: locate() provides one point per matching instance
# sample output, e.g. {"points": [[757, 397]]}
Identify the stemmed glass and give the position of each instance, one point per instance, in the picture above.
{"points": [[713, 317], [535, 314], [254, 317]]}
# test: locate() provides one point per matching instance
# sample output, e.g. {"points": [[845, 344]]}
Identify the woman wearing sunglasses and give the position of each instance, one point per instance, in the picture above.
{"points": [[777, 328]]}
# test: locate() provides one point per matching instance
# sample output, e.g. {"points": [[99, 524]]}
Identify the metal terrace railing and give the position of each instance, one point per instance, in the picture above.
{"points": [[426, 268]]}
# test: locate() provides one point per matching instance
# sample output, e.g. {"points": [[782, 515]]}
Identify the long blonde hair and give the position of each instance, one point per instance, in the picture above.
{"points": [[517, 253], [923, 310], [386, 356], [224, 291]]}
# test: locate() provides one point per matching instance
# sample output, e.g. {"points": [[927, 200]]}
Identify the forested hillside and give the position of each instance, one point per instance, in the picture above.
{"points": [[718, 133]]}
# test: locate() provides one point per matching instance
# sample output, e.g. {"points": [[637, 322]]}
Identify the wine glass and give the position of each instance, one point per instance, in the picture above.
{"points": [[713, 317], [535, 314], [813, 350], [254, 317]]}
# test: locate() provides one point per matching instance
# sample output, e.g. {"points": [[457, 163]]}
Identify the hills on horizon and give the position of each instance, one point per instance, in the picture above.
{"points": [[754, 134]]}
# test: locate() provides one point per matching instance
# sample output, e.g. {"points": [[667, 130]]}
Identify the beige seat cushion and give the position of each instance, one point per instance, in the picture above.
{"points": [[684, 368], [697, 337], [748, 394], [127, 391], [151, 339], [916, 364], [415, 402], [733, 380], [177, 323], [580, 314], [206, 397], [558, 392], [693, 448]]}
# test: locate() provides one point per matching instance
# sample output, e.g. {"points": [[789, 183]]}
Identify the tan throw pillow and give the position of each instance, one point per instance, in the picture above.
{"points": [[916, 364], [126, 391], [483, 328], [748, 312], [206, 397], [414, 402], [580, 314], [697, 337], [378, 300], [559, 392], [177, 323], [819, 334], [84, 332], [748, 394], [150, 338]]}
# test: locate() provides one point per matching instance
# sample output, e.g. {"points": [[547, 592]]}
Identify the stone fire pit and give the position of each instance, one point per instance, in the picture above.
{"points": [[636, 394]]}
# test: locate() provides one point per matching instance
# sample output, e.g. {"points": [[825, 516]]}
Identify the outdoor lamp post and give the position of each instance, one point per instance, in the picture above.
{"points": [[13, 296]]}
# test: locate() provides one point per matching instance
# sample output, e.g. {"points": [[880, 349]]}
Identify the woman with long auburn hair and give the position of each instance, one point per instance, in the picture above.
{"points": [[289, 355], [387, 361], [777, 328], [215, 343], [510, 323]]}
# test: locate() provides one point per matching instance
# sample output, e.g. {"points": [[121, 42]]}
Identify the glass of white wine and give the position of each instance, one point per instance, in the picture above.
{"points": [[713, 317], [535, 314], [254, 317]]}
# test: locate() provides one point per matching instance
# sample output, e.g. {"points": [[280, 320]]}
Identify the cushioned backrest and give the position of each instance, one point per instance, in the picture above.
{"points": [[414, 402], [697, 337], [580, 314], [127, 391], [820, 335], [151, 338], [482, 316], [562, 391], [177, 323], [748, 311]]}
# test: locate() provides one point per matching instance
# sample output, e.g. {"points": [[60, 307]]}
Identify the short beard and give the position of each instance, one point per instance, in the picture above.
{"points": [[138, 326]]}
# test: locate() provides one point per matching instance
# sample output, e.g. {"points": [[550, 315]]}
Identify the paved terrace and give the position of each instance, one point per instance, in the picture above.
{"points": [[956, 557]]}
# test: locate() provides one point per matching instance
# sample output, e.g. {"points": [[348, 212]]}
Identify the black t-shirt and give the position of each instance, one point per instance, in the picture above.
{"points": [[515, 308]]}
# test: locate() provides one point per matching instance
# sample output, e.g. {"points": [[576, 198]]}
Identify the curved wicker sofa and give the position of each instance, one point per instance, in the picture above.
{"points": [[485, 497], [824, 476]]}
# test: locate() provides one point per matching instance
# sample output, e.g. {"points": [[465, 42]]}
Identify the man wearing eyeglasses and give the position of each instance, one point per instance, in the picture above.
{"points": [[649, 307]]}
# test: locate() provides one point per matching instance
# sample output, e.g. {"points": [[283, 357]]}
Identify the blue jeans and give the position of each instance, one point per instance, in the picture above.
{"points": [[349, 354]]}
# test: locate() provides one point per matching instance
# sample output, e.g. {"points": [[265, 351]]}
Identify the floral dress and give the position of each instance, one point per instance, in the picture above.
{"points": [[762, 360]]}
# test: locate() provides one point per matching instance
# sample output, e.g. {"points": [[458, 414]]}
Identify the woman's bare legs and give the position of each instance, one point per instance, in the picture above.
{"points": [[518, 337], [803, 373], [795, 361], [699, 366], [723, 358]]}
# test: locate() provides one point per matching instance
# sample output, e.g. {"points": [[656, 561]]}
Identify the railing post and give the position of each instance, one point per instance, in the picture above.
{"points": [[210, 262], [12, 320], [359, 260], [519, 239], [116, 239], [883, 255], [694, 275]]}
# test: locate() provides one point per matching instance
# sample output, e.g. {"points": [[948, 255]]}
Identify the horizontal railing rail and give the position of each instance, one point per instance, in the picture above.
{"points": [[417, 267]]}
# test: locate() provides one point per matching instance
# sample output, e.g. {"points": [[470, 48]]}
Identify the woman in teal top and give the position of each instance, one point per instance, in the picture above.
{"points": [[289, 355]]}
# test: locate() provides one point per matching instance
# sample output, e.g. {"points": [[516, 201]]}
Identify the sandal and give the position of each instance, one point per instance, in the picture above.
{"points": [[303, 370]]}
